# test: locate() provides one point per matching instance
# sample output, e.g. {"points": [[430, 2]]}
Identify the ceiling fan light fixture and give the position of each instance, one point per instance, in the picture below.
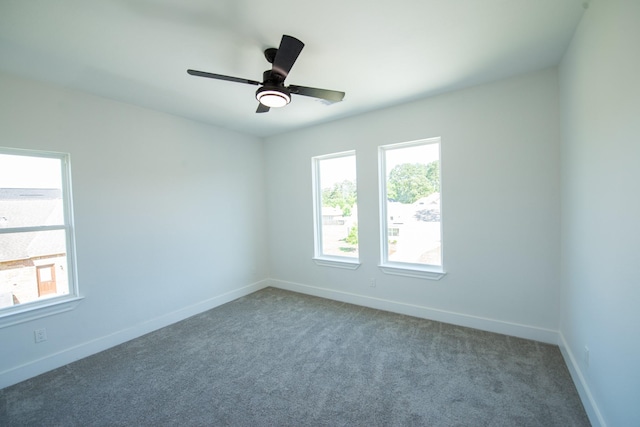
{"points": [[273, 97]]}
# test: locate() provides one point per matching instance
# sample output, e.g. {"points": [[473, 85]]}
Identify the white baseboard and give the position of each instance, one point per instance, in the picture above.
{"points": [[590, 406], [491, 325], [28, 370]]}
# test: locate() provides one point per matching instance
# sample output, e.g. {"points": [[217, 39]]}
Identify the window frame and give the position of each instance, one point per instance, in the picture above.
{"points": [[53, 305], [319, 257], [422, 271]]}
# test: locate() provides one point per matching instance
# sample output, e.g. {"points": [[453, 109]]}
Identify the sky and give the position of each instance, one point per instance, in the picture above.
{"points": [[337, 169], [29, 172], [412, 154]]}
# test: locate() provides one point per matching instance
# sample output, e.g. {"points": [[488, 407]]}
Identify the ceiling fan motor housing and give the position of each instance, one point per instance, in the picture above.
{"points": [[270, 54]]}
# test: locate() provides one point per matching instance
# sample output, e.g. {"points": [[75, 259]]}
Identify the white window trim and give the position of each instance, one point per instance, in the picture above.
{"points": [[55, 305], [47, 308], [421, 271], [337, 262], [319, 257]]}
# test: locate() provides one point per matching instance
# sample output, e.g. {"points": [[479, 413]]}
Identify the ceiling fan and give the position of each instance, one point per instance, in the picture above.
{"points": [[272, 92]]}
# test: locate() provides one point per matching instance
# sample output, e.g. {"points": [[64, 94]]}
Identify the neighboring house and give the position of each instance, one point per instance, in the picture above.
{"points": [[401, 216], [32, 264], [428, 208], [332, 216]]}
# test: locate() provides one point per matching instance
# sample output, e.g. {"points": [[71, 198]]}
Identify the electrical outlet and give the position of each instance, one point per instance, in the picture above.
{"points": [[40, 335], [586, 356], [372, 282]]}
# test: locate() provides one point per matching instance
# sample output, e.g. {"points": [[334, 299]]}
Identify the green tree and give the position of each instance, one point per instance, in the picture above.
{"points": [[409, 182], [352, 237], [342, 195]]}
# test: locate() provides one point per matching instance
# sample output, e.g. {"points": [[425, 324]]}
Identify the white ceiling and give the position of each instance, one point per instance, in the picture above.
{"points": [[380, 53]]}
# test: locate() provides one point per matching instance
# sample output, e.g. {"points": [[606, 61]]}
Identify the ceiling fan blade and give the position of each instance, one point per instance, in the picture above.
{"points": [[327, 95], [262, 108], [290, 48], [222, 77]]}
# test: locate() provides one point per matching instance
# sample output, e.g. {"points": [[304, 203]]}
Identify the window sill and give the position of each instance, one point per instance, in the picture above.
{"points": [[413, 270], [337, 263], [29, 313]]}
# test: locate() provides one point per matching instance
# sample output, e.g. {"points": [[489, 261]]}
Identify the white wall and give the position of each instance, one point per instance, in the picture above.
{"points": [[156, 199], [501, 207], [600, 106], [169, 219]]}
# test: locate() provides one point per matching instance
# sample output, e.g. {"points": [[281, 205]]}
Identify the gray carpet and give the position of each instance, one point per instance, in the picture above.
{"points": [[277, 358]]}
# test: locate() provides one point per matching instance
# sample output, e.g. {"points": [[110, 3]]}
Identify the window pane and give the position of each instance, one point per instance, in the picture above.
{"points": [[413, 204], [33, 266], [338, 199], [30, 191]]}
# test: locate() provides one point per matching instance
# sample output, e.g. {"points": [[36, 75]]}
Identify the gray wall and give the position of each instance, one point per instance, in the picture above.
{"points": [[169, 218], [600, 99], [501, 207]]}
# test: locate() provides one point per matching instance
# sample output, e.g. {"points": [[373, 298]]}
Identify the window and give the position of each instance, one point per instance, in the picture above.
{"points": [[410, 209], [36, 235], [335, 210]]}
